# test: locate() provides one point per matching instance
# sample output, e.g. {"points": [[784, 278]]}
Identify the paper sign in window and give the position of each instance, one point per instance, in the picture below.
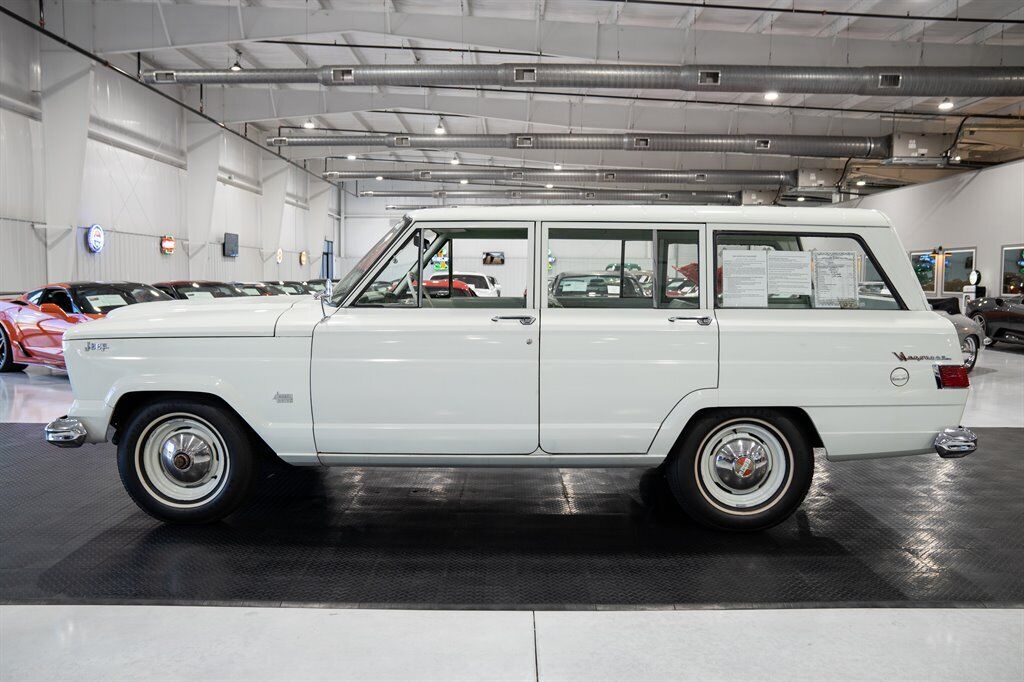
{"points": [[744, 279], [106, 300], [789, 273], [835, 279]]}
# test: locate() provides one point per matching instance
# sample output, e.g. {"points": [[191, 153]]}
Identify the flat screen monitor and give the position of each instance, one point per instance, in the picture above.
{"points": [[230, 244]]}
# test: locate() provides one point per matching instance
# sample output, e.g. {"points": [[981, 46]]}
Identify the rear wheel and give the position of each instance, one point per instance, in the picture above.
{"points": [[185, 461], [741, 469], [970, 351], [7, 363]]}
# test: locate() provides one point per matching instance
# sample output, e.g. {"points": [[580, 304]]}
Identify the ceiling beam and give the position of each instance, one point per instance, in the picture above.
{"points": [[916, 28], [128, 27]]}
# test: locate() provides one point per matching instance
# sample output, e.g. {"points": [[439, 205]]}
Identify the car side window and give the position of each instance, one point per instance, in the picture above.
{"points": [[599, 268], [430, 270], [798, 270], [34, 297], [60, 298], [678, 269]]}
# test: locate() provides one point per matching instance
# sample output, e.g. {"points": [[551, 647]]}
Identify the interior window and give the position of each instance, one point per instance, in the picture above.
{"points": [[396, 284], [956, 266], [1013, 270], [924, 267], [799, 271], [600, 268], [678, 269], [33, 297]]}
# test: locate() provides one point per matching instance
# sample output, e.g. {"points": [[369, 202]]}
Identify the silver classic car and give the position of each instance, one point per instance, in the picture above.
{"points": [[971, 334]]}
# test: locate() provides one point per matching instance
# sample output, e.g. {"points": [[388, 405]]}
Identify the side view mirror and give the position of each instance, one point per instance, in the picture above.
{"points": [[1000, 302], [53, 309]]}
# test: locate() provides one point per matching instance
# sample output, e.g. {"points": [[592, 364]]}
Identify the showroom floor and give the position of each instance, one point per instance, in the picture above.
{"points": [[515, 574]]}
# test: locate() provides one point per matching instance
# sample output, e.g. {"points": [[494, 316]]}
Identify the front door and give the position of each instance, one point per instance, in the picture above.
{"points": [[420, 364], [627, 331]]}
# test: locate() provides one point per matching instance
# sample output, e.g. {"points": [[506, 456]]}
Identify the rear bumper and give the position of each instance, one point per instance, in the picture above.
{"points": [[66, 432], [955, 442]]}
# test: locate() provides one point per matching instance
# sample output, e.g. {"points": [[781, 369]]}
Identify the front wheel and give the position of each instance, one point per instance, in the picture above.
{"points": [[741, 469], [980, 321], [185, 461], [7, 363]]}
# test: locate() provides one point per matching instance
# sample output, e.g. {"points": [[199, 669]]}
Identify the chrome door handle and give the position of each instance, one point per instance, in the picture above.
{"points": [[523, 319], [703, 321]]}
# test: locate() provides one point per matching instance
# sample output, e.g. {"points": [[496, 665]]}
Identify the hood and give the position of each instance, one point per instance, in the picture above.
{"points": [[250, 316]]}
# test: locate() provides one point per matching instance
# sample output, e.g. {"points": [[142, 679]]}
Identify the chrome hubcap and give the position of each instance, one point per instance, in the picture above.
{"points": [[182, 460], [741, 463], [187, 459], [744, 464]]}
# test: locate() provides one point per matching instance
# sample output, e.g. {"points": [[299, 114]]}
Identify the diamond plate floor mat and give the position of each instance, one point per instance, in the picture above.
{"points": [[911, 531]]}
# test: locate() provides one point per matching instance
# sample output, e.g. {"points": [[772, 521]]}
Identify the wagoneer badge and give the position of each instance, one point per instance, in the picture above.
{"points": [[903, 357], [282, 397]]}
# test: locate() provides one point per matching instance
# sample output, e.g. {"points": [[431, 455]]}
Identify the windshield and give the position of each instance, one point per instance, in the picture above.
{"points": [[100, 299], [367, 261]]}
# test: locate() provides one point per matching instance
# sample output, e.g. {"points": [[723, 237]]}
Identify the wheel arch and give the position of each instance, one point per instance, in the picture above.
{"points": [[132, 401], [797, 415]]}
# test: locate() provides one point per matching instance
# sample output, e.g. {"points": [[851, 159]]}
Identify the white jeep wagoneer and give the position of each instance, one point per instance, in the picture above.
{"points": [[769, 335]]}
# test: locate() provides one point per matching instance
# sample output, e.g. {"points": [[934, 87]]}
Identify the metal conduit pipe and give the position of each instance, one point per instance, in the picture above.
{"points": [[787, 145], [671, 197], [899, 81], [624, 175]]}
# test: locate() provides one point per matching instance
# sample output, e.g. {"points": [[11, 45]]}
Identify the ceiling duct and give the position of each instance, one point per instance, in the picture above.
{"points": [[670, 197], [900, 81], [617, 175], [785, 145]]}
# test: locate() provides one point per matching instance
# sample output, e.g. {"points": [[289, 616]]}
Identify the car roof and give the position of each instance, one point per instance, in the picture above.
{"points": [[84, 283], [753, 215], [180, 282], [599, 273]]}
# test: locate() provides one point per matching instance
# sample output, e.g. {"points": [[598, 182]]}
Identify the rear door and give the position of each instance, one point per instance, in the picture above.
{"points": [[616, 358]]}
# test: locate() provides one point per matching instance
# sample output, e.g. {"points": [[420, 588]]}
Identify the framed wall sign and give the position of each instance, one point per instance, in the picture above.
{"points": [[279, 256], [167, 244], [494, 257], [303, 257], [95, 238]]}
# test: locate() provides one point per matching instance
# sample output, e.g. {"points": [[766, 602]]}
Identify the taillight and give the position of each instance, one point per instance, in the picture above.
{"points": [[951, 376]]}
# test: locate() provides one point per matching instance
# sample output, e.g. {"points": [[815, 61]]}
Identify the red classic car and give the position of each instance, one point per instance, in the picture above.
{"points": [[32, 326]]}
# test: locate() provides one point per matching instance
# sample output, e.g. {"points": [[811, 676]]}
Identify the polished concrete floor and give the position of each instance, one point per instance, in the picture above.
{"points": [[110, 641]]}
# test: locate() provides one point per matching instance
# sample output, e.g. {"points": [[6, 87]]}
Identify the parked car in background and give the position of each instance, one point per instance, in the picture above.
{"points": [[607, 284], [970, 333], [189, 289], [482, 285], [32, 326], [315, 286], [257, 289], [290, 287], [1001, 318]]}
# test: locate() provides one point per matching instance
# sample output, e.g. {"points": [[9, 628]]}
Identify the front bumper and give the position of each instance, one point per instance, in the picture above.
{"points": [[953, 443], [66, 432]]}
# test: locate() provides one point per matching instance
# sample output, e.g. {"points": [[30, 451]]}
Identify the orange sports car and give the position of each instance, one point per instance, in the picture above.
{"points": [[32, 326]]}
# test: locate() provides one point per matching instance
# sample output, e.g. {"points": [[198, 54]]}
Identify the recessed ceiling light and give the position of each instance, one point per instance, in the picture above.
{"points": [[861, 183], [454, 161], [945, 105], [549, 185], [800, 199], [956, 158], [351, 157], [771, 95], [440, 129], [379, 178], [309, 125], [463, 181], [558, 166], [237, 66]]}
